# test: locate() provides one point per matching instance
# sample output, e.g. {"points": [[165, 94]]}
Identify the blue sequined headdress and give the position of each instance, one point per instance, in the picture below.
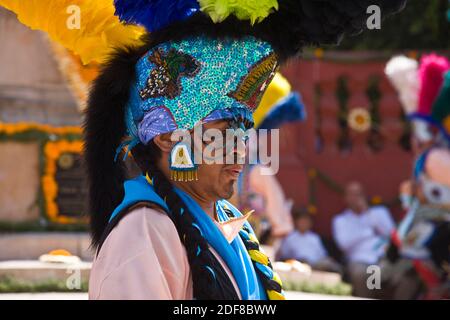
{"points": [[219, 56], [197, 79]]}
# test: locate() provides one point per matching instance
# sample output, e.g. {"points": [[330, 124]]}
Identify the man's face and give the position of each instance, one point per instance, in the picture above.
{"points": [[355, 197], [216, 181], [303, 224]]}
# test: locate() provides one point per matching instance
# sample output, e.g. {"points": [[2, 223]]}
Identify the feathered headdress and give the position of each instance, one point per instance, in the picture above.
{"points": [[88, 28], [279, 105], [431, 77], [440, 112], [257, 36], [403, 74], [203, 59]]}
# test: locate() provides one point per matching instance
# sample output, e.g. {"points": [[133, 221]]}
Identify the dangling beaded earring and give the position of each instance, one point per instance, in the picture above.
{"points": [[182, 166]]}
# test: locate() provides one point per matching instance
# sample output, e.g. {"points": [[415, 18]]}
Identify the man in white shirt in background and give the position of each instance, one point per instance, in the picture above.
{"points": [[361, 232], [304, 245]]}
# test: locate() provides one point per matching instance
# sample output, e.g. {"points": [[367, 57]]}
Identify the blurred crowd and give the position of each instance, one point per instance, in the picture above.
{"points": [[413, 256], [365, 236], [360, 235]]}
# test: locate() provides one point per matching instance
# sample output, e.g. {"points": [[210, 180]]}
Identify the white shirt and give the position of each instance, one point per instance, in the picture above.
{"points": [[360, 236], [302, 246]]}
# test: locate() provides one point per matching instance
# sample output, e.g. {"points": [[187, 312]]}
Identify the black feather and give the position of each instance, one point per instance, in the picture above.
{"points": [[297, 23], [300, 23]]}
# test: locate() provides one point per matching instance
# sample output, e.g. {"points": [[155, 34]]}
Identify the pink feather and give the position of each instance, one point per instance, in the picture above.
{"points": [[431, 77]]}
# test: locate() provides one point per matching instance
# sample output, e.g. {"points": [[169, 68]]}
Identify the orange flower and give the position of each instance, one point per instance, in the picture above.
{"points": [[52, 151], [312, 173], [359, 119], [50, 168], [318, 53], [446, 124], [312, 209], [60, 252], [377, 200], [11, 128]]}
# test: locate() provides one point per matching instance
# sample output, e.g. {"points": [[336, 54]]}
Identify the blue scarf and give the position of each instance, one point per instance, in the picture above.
{"points": [[234, 254]]}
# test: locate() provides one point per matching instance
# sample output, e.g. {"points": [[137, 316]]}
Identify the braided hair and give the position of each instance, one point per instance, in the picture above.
{"points": [[210, 280]]}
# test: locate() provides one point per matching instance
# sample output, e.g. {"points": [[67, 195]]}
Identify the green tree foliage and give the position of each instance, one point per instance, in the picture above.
{"points": [[422, 25]]}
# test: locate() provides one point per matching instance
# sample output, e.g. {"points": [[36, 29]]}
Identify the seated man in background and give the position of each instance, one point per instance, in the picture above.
{"points": [[360, 232], [304, 245]]}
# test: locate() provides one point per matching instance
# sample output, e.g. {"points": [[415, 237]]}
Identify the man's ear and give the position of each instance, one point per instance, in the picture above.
{"points": [[164, 142]]}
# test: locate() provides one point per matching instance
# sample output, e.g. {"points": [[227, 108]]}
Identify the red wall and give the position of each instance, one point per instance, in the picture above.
{"points": [[381, 173]]}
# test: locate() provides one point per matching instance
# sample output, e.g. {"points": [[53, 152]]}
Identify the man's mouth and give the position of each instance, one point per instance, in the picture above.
{"points": [[234, 171]]}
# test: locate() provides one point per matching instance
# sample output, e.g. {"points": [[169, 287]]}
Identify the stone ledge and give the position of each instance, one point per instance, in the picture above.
{"points": [[31, 245], [35, 271]]}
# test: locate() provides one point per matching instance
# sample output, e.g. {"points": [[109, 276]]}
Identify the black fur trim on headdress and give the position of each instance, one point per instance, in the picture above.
{"points": [[297, 23], [104, 129]]}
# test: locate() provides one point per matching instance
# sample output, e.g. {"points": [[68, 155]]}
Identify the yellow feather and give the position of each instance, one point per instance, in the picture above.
{"points": [[99, 30], [278, 89]]}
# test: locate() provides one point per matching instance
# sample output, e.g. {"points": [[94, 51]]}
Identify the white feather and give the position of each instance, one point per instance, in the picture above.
{"points": [[403, 74]]}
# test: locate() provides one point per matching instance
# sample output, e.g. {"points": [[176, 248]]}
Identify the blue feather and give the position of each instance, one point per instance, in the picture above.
{"points": [[155, 14], [289, 109]]}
